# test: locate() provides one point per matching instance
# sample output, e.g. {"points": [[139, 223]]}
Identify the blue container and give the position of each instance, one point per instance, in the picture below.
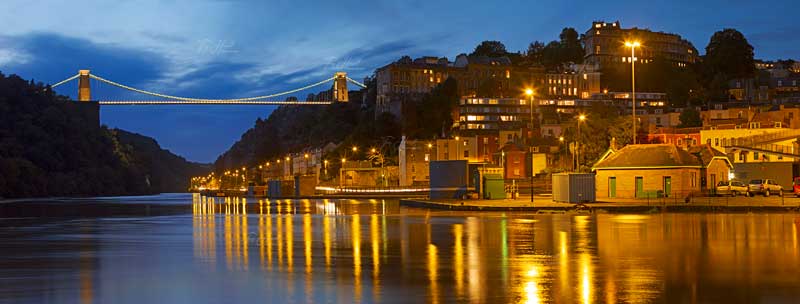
{"points": [[448, 179], [573, 187]]}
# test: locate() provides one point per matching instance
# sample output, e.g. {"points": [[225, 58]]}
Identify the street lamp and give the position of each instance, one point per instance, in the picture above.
{"points": [[633, 45], [306, 158], [561, 143], [530, 93], [581, 118]]}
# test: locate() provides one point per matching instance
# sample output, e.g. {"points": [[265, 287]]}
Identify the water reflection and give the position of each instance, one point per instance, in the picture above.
{"points": [[309, 251]]}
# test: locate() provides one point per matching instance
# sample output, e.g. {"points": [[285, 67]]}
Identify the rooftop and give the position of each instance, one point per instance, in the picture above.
{"points": [[649, 156]]}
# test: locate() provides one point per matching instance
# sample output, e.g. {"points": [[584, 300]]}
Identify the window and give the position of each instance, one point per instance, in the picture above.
{"points": [[708, 141], [755, 155], [466, 153], [741, 156], [716, 142], [516, 171]]}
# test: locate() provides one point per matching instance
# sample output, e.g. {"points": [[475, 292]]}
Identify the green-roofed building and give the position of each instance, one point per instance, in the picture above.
{"points": [[659, 170]]}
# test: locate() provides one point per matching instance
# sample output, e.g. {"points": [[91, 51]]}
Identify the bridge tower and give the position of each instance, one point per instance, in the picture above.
{"points": [[340, 87], [84, 92]]}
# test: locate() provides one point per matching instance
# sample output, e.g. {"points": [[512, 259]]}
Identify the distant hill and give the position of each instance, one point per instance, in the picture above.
{"points": [[294, 128], [52, 146]]}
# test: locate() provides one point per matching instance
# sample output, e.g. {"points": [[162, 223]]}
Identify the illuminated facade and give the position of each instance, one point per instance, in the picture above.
{"points": [[491, 115], [577, 82], [414, 160], [409, 80], [604, 44]]}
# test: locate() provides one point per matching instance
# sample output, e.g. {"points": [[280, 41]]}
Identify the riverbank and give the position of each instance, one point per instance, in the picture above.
{"points": [[545, 204]]}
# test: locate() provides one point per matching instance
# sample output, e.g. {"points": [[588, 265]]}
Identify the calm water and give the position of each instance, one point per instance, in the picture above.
{"points": [[344, 251]]}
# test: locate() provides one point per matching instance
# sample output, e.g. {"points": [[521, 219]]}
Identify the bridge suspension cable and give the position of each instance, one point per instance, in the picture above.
{"points": [[204, 100], [356, 82], [65, 81]]}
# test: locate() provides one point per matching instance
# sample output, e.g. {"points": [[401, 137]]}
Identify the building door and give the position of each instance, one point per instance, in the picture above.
{"points": [[612, 186], [639, 186], [667, 186], [713, 185]]}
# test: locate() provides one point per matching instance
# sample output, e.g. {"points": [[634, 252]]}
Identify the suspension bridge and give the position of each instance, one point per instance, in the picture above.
{"points": [[339, 89]]}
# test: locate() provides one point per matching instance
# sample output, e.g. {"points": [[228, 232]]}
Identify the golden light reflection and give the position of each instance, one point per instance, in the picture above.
{"points": [[289, 244], [326, 231], [307, 241], [204, 230], [279, 241], [563, 263], [355, 229], [376, 259], [228, 237], [586, 285], [289, 253], [458, 258], [245, 237], [307, 252], [794, 236], [474, 263], [433, 275]]}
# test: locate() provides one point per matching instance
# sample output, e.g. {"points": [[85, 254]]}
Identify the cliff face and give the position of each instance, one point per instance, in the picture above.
{"points": [[52, 146]]}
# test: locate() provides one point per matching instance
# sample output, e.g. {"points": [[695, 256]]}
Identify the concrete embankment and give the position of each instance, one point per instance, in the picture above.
{"points": [[626, 207]]}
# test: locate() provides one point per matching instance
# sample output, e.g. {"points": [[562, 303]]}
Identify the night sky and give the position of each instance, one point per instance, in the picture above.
{"points": [[237, 48]]}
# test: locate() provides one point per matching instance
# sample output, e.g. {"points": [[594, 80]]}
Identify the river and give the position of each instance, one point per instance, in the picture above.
{"points": [[192, 249]]}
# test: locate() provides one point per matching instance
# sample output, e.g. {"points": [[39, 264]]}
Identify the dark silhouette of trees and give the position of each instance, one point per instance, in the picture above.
{"points": [[52, 146], [491, 48], [728, 56], [690, 118], [557, 52]]}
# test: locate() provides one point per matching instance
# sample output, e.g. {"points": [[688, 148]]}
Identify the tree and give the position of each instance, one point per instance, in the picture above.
{"points": [[690, 118], [551, 55], [535, 52], [434, 113], [570, 46], [729, 53], [728, 56], [491, 48], [405, 60]]}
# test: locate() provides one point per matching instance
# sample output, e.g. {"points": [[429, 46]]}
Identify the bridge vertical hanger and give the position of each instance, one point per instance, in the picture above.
{"points": [[340, 87], [84, 92]]}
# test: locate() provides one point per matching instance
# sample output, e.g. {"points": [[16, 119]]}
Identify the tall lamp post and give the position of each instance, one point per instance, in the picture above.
{"points": [[581, 118], [530, 94], [633, 45]]}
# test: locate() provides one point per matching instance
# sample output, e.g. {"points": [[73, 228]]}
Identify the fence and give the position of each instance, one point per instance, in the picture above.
{"points": [[706, 198]]}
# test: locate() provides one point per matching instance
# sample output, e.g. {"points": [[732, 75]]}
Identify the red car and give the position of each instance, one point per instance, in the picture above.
{"points": [[796, 186]]}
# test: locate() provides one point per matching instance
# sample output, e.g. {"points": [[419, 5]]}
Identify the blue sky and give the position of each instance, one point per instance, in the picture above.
{"points": [[238, 48]]}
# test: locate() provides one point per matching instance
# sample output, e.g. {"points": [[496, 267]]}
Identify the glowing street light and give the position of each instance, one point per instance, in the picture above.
{"points": [[581, 118], [530, 93], [633, 45]]}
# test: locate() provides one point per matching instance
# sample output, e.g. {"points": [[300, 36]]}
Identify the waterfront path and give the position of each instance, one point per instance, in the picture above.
{"points": [[546, 204]]}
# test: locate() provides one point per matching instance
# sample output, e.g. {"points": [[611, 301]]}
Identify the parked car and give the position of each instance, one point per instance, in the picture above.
{"points": [[732, 188], [796, 186], [765, 187]]}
